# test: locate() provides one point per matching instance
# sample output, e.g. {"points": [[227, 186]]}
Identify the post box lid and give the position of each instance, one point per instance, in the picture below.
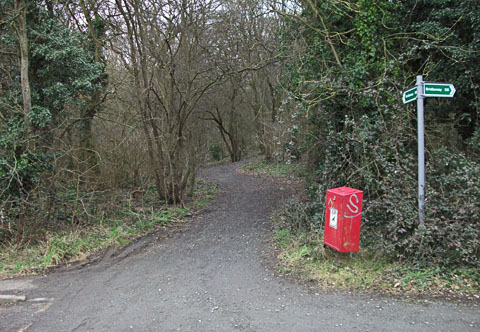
{"points": [[344, 191]]}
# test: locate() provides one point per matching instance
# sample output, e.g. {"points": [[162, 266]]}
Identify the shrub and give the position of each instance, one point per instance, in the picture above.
{"points": [[216, 151]]}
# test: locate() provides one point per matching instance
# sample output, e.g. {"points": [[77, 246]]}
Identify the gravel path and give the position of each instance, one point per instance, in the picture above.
{"points": [[210, 276]]}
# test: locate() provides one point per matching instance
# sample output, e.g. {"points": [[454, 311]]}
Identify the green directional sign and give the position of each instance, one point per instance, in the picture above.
{"points": [[427, 89], [409, 95], [438, 90]]}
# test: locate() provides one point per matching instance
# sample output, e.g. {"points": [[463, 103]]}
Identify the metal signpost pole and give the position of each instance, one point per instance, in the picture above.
{"points": [[420, 92], [421, 151]]}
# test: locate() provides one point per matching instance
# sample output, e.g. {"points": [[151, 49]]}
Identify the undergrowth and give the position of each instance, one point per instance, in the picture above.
{"points": [[60, 242]]}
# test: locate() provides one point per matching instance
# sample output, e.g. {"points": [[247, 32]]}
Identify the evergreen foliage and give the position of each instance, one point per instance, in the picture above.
{"points": [[357, 59], [62, 73]]}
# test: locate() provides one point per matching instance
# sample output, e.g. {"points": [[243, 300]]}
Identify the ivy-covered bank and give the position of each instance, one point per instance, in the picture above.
{"points": [[349, 63]]}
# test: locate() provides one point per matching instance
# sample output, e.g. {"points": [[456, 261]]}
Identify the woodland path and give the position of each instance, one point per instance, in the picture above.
{"points": [[213, 274]]}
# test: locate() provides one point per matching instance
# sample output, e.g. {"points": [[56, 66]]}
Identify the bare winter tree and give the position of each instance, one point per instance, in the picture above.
{"points": [[166, 50], [249, 54]]}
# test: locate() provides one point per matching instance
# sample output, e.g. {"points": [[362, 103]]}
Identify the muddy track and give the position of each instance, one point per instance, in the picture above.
{"points": [[211, 275]]}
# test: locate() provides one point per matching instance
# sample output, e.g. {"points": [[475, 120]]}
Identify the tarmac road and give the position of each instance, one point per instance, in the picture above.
{"points": [[211, 275]]}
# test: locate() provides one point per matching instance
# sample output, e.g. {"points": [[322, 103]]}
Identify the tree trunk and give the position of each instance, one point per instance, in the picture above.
{"points": [[21, 30]]}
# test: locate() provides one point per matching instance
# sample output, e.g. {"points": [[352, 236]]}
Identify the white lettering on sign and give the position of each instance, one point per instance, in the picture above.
{"points": [[333, 217], [352, 206]]}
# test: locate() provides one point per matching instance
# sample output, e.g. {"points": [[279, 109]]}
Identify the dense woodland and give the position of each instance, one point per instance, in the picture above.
{"points": [[98, 96]]}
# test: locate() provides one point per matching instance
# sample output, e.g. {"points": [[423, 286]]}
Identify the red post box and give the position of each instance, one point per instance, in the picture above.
{"points": [[342, 219]]}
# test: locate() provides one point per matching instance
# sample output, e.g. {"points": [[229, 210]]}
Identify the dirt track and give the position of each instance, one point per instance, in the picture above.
{"points": [[211, 276]]}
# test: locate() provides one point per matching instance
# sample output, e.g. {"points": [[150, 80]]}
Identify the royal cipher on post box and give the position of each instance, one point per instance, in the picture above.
{"points": [[342, 219]]}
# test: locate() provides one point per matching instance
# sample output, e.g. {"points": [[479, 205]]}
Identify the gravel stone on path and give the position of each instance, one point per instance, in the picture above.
{"points": [[210, 276]]}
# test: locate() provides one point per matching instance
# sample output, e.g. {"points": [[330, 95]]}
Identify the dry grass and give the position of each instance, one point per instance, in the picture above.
{"points": [[69, 243], [305, 255]]}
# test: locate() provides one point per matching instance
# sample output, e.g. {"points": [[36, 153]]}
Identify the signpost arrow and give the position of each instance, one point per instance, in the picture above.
{"points": [[438, 90], [409, 95]]}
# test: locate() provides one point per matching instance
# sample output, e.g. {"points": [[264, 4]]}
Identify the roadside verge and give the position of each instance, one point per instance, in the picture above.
{"points": [[298, 237]]}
